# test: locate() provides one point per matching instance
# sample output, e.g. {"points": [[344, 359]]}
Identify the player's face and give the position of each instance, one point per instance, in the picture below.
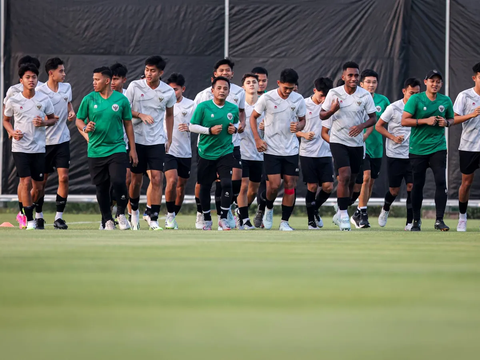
{"points": [[262, 82], [225, 71], [100, 82], [220, 90], [319, 96], [351, 77], [285, 89], [58, 74], [250, 85], [370, 84], [117, 83], [476, 79], [29, 80], [179, 90], [409, 91], [152, 74], [434, 84]]}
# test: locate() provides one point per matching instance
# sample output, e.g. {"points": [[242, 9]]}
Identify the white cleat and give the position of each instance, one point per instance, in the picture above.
{"points": [[345, 224], [123, 223], [336, 219], [268, 218], [383, 217], [408, 227], [171, 223], [199, 222], [135, 222], [31, 225], [208, 225], [223, 225], [462, 225], [146, 218], [284, 226], [310, 227], [319, 221], [109, 225], [232, 223], [248, 226], [154, 225]]}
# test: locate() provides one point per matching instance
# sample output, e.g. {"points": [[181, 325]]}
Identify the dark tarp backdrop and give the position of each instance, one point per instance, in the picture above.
{"points": [[397, 38]]}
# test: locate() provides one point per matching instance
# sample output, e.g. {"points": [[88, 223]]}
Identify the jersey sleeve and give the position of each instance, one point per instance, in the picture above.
{"points": [[69, 93], [459, 106], [236, 116], [261, 105], [82, 112], [197, 116], [130, 94], [172, 100], [327, 123], [49, 110], [387, 114], [8, 110], [449, 113], [370, 107], [327, 104], [126, 110], [10, 92], [302, 108], [411, 105], [241, 101]]}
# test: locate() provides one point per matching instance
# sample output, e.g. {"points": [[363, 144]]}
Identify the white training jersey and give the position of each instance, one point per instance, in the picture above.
{"points": [[181, 146], [236, 96], [317, 147], [393, 117], [248, 148], [351, 113], [15, 89], [153, 102], [467, 101], [279, 114], [24, 111], [125, 137], [58, 133]]}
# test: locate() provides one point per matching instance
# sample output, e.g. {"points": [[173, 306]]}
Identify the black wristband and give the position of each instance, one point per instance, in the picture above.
{"points": [[210, 130]]}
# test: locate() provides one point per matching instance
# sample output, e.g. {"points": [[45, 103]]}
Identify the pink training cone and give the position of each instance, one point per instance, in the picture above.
{"points": [[6, 224]]}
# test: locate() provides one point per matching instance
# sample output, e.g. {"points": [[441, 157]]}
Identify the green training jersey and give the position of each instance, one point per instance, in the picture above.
{"points": [[374, 143], [426, 139], [208, 114], [108, 115]]}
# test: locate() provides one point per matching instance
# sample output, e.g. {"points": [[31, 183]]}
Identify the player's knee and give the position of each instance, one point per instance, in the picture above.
{"points": [[467, 182], [312, 187], [367, 177], [226, 183], [327, 187], [395, 191], [63, 178], [289, 191], [409, 187]]}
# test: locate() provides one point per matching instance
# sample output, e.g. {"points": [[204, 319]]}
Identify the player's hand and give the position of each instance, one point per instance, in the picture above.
{"points": [[335, 106], [398, 139], [432, 121], [231, 128], [476, 112], [355, 130], [167, 145], [17, 135], [90, 127], [261, 126], [133, 157], [241, 127], [217, 129], [261, 145], [71, 115], [309, 135], [183, 128], [442, 122], [147, 119], [294, 127], [38, 121]]}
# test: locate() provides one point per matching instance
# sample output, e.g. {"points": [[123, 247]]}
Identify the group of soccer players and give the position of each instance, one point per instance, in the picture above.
{"points": [[251, 142]]}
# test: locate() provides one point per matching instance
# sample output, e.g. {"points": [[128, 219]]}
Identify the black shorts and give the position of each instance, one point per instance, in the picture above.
{"points": [[108, 167], [347, 156], [252, 170], [57, 156], [317, 170], [372, 164], [237, 164], [399, 169], [208, 169], [281, 165], [182, 165], [30, 165], [469, 161], [150, 157]]}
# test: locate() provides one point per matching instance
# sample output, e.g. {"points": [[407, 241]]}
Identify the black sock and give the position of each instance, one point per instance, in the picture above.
{"points": [[236, 185], [286, 212], [269, 203], [61, 202], [354, 198], [262, 201], [154, 212], [243, 212], [205, 201], [20, 206], [207, 216], [310, 203], [389, 199], [39, 204], [148, 210], [218, 197], [409, 208], [321, 198], [177, 209], [134, 202], [343, 202], [103, 200], [171, 206], [226, 197], [29, 212], [462, 207], [199, 205]]}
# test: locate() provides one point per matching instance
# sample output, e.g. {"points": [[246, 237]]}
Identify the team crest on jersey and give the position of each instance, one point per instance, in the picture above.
{"points": [[184, 113], [229, 116], [39, 106], [235, 99], [441, 108], [115, 107], [160, 98], [293, 108], [359, 103], [65, 98], [378, 108]]}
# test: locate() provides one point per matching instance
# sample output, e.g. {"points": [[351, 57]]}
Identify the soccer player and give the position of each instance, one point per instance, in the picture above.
{"points": [[396, 146], [262, 74], [152, 103], [57, 155], [178, 160], [373, 152], [315, 155], [215, 121], [252, 160], [102, 115], [467, 111], [29, 108], [428, 113], [349, 103], [284, 116]]}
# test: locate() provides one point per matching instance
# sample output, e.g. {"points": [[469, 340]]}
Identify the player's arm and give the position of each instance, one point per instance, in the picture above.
{"points": [[329, 107], [127, 124], [326, 134], [16, 134], [367, 133], [71, 112], [381, 128], [409, 120], [242, 120], [169, 125], [357, 129]]}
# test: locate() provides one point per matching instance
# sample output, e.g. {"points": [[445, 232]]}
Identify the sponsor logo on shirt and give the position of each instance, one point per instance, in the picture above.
{"points": [[229, 116], [378, 108], [95, 106], [115, 107], [212, 115], [425, 108], [441, 108]]}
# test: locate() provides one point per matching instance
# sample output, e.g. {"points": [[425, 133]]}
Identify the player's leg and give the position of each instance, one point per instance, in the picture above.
{"points": [[117, 169], [181, 187], [438, 164], [273, 169], [242, 198], [469, 162], [61, 199], [199, 222], [261, 201], [396, 173], [26, 195], [419, 168], [171, 177], [206, 175], [99, 173], [360, 217], [310, 204], [156, 182], [136, 180], [21, 218]]}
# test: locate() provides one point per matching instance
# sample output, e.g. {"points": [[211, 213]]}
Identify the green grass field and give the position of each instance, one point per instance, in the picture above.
{"points": [[187, 294]]}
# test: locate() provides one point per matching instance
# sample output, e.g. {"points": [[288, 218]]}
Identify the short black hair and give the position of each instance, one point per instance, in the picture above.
{"points": [[27, 67], [119, 70], [220, 78], [247, 75], [340, 82], [260, 70], [156, 61], [323, 84], [53, 64], [176, 78], [289, 76], [350, 65], [226, 61], [104, 70], [29, 60], [412, 82], [476, 68], [368, 73]]}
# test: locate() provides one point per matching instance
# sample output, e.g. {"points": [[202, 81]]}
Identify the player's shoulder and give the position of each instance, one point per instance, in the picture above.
{"points": [[235, 89], [165, 88], [231, 107], [295, 97], [186, 103], [41, 96], [44, 88], [444, 98], [14, 89], [382, 98], [137, 84], [16, 98], [361, 92], [90, 96], [271, 95], [64, 87]]}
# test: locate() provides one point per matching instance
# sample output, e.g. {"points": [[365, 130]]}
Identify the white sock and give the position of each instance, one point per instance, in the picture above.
{"points": [[171, 214], [462, 216], [58, 215], [343, 213], [39, 215]]}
